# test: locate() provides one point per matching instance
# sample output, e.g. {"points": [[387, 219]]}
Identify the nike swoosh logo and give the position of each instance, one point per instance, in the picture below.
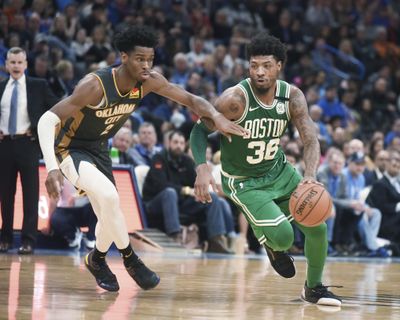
{"points": [[253, 108]]}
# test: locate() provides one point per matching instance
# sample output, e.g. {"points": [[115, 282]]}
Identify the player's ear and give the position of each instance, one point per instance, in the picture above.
{"points": [[124, 57]]}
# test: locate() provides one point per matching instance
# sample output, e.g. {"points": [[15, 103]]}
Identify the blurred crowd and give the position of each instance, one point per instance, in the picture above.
{"points": [[343, 54]]}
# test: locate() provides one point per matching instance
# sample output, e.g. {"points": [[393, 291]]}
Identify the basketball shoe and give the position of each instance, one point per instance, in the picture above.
{"points": [[281, 262], [102, 273], [143, 276], [320, 295]]}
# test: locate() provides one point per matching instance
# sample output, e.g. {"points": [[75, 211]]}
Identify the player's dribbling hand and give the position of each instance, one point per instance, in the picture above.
{"points": [[310, 180], [202, 183], [227, 128], [54, 184]]}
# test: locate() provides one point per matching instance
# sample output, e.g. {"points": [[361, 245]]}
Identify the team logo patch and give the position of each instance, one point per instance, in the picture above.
{"points": [[135, 93], [280, 107]]}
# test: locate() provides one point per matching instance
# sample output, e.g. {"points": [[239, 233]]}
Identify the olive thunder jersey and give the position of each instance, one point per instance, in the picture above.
{"points": [[258, 152], [91, 127]]}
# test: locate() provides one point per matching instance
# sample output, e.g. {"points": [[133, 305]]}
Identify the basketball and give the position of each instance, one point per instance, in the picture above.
{"points": [[310, 204]]}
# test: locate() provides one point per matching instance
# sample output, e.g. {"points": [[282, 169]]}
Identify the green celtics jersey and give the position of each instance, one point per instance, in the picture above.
{"points": [[90, 127], [259, 152]]}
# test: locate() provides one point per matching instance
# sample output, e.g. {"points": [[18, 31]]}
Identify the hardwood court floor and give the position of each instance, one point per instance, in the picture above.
{"points": [[46, 286]]}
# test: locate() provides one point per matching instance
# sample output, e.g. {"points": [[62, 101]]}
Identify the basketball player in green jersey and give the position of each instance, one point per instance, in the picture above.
{"points": [[96, 110], [255, 173]]}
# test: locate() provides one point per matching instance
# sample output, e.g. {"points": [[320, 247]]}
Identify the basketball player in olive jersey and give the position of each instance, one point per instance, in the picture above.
{"points": [[98, 107], [255, 173]]}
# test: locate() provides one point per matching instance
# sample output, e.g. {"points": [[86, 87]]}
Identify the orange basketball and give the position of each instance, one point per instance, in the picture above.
{"points": [[310, 204]]}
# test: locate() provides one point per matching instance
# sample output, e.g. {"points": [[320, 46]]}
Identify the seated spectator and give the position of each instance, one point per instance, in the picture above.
{"points": [[180, 73], [69, 215], [120, 145], [316, 115], [385, 195], [168, 194], [380, 163], [334, 180], [370, 218], [395, 132], [143, 152], [332, 107]]}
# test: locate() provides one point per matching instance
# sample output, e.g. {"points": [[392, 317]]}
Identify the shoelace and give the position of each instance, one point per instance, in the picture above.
{"points": [[321, 288], [103, 270]]}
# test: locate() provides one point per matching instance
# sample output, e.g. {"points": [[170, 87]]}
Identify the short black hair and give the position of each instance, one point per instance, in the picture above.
{"points": [[128, 37], [176, 133], [265, 45]]}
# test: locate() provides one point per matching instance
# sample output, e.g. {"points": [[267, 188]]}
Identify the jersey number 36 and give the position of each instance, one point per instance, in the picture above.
{"points": [[262, 150]]}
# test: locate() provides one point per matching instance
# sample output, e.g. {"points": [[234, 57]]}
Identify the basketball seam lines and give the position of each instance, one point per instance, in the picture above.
{"points": [[315, 203], [261, 223], [298, 202]]}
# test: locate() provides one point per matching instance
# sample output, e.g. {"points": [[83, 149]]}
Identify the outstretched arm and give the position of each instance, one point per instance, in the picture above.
{"points": [[200, 106], [307, 130], [231, 104]]}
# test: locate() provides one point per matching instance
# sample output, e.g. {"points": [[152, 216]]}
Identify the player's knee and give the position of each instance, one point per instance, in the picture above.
{"points": [[283, 237]]}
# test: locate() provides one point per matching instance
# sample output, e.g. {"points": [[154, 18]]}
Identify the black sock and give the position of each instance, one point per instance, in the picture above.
{"points": [[127, 253], [98, 256]]}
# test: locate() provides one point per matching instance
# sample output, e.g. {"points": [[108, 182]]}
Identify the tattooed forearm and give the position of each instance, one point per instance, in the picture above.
{"points": [[307, 131]]}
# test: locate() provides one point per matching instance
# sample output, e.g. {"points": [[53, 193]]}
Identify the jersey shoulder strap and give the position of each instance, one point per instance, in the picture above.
{"points": [[284, 91]]}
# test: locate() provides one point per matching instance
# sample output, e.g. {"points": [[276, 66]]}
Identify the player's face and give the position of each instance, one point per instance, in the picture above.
{"points": [[16, 65], [139, 62], [264, 71]]}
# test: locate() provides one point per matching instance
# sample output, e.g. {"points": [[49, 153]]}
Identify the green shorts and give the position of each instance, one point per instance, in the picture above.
{"points": [[263, 200]]}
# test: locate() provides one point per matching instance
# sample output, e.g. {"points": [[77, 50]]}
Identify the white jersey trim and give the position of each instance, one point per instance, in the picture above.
{"points": [[263, 105]]}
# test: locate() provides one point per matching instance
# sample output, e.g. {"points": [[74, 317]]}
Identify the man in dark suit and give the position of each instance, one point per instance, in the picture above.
{"points": [[385, 195], [23, 100], [380, 162]]}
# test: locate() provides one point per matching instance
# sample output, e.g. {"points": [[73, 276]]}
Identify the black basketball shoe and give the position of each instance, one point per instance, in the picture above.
{"points": [[102, 273], [321, 296], [281, 262], [144, 277]]}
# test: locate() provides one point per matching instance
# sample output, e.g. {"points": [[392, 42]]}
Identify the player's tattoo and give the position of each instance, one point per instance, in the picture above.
{"points": [[231, 104], [307, 131]]}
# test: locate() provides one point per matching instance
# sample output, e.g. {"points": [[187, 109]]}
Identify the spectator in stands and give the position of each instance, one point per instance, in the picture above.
{"points": [[72, 212], [380, 164], [168, 193], [144, 151], [180, 73], [100, 47], [23, 101], [369, 220], [62, 83], [334, 180], [196, 56], [121, 143], [395, 132], [385, 195], [331, 106], [316, 116]]}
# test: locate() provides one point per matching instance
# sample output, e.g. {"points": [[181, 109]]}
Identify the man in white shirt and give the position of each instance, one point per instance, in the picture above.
{"points": [[22, 102]]}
